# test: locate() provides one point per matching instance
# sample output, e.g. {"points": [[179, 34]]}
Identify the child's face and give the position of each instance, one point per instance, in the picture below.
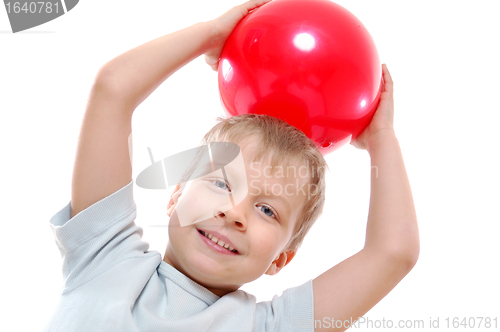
{"points": [[258, 221]]}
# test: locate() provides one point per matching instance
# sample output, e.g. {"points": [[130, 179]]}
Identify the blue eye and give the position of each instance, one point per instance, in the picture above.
{"points": [[224, 184], [268, 209]]}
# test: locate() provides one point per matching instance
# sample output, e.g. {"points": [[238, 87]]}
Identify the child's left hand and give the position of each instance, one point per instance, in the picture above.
{"points": [[384, 115], [224, 25]]}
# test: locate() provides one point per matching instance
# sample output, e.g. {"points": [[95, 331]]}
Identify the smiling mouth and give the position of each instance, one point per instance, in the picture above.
{"points": [[210, 237]]}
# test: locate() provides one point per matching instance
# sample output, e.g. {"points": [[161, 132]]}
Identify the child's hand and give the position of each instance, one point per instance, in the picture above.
{"points": [[384, 115], [224, 25]]}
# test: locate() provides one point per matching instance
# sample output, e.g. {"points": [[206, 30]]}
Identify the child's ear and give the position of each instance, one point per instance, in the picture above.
{"points": [[174, 199], [280, 262]]}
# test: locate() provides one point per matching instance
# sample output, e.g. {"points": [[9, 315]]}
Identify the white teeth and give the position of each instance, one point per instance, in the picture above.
{"points": [[219, 242]]}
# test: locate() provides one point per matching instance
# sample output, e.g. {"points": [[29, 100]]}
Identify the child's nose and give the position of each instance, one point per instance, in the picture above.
{"points": [[233, 215]]}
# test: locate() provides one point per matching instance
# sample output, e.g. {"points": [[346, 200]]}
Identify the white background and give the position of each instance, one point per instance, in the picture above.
{"points": [[443, 56]]}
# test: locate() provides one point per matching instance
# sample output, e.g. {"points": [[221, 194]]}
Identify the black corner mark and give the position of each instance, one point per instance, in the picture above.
{"points": [[70, 4], [24, 15]]}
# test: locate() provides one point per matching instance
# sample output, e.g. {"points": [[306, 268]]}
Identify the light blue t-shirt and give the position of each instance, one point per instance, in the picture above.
{"points": [[113, 283]]}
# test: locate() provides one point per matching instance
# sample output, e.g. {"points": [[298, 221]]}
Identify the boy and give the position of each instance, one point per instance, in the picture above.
{"points": [[112, 281]]}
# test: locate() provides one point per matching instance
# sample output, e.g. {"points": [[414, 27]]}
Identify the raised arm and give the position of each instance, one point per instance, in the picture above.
{"points": [[351, 288], [103, 162]]}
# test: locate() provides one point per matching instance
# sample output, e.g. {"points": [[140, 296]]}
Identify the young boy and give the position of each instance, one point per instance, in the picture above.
{"points": [[112, 281]]}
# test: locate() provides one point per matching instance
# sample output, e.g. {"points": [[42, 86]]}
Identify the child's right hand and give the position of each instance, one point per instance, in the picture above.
{"points": [[384, 115], [223, 26]]}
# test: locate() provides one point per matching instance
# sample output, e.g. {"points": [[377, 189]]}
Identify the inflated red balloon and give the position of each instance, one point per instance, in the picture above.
{"points": [[311, 63]]}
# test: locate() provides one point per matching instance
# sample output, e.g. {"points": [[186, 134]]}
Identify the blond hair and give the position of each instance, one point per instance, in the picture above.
{"points": [[284, 144]]}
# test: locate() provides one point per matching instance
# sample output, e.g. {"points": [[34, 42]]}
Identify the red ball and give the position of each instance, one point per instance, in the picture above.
{"points": [[311, 63]]}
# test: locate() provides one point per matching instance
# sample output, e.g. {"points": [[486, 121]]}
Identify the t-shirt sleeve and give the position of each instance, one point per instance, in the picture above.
{"points": [[293, 311], [98, 237]]}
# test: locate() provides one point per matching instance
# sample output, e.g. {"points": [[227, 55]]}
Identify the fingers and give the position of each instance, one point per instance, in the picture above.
{"points": [[212, 62], [253, 4], [389, 84], [257, 3]]}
